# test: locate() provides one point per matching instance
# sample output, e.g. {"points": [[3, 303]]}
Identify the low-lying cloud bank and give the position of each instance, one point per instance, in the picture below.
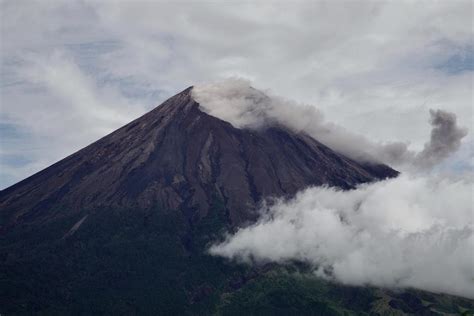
{"points": [[235, 101], [403, 232]]}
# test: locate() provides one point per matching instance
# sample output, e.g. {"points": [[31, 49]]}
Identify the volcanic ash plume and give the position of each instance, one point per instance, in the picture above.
{"points": [[236, 102]]}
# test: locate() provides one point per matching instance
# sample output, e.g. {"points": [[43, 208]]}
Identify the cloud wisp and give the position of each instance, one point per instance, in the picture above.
{"points": [[403, 232], [235, 101]]}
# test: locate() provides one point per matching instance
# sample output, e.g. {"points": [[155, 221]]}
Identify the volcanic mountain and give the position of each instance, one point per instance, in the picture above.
{"points": [[122, 226], [179, 157]]}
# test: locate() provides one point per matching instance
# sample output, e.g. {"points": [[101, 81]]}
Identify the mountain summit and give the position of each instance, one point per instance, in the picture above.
{"points": [[178, 157]]}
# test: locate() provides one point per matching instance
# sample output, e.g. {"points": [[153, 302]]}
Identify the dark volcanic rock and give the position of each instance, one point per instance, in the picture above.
{"points": [[178, 157]]}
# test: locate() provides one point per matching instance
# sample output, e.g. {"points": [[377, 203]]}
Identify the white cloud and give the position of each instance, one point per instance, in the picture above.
{"points": [[404, 232], [61, 110], [78, 92]]}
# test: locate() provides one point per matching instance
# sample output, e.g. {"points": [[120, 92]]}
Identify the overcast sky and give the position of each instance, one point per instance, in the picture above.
{"points": [[73, 71]]}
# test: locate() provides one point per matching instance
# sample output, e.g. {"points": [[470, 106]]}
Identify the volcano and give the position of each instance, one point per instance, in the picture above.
{"points": [[178, 157], [122, 226]]}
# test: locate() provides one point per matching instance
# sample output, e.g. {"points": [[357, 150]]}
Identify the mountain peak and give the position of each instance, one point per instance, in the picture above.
{"points": [[182, 102]]}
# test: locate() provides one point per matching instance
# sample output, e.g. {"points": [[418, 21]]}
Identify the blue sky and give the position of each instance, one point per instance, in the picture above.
{"points": [[80, 69]]}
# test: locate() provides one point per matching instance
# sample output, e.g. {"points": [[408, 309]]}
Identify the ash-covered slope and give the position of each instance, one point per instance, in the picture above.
{"points": [[178, 157]]}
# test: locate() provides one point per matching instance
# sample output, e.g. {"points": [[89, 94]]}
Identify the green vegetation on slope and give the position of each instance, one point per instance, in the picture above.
{"points": [[154, 262]]}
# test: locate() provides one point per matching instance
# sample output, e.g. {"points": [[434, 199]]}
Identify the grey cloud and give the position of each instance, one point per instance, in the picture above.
{"points": [[445, 139], [369, 73]]}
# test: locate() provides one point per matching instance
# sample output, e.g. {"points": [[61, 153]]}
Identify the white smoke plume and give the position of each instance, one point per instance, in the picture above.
{"points": [[403, 232], [235, 101]]}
